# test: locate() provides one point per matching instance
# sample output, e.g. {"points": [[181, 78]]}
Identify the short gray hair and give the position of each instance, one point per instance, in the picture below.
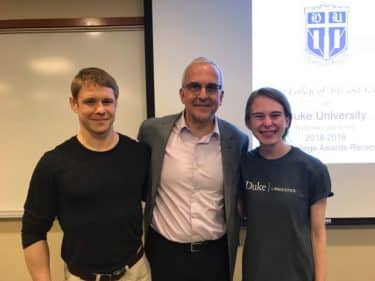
{"points": [[204, 60]]}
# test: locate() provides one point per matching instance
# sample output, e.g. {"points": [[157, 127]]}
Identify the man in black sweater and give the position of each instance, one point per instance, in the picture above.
{"points": [[93, 183]]}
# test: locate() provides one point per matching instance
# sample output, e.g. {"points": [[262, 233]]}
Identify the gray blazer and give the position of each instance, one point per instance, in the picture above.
{"points": [[234, 143]]}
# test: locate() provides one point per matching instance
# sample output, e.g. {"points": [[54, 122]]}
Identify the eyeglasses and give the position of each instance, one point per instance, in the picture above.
{"points": [[196, 88]]}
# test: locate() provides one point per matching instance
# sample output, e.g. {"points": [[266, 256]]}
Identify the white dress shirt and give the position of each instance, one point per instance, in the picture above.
{"points": [[190, 201]]}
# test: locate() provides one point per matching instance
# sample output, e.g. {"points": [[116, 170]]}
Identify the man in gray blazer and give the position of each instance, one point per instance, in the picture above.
{"points": [[191, 220]]}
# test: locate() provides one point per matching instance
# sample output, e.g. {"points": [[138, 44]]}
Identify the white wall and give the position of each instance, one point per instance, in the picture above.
{"points": [[217, 29]]}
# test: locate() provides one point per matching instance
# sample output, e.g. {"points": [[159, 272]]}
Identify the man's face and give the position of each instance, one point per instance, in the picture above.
{"points": [[201, 104], [96, 109]]}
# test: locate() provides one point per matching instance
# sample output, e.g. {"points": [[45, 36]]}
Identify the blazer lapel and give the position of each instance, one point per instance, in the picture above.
{"points": [[227, 143]]}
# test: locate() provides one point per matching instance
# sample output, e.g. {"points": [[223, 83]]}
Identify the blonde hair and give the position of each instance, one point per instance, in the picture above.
{"points": [[93, 75]]}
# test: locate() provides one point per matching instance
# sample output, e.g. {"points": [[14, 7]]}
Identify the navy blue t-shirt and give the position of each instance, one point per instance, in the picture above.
{"points": [[278, 195]]}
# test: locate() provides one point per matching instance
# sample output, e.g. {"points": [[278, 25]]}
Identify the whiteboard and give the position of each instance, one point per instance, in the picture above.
{"points": [[37, 69]]}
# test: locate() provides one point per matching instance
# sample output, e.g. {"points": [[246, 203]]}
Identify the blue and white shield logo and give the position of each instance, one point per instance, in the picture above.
{"points": [[326, 30]]}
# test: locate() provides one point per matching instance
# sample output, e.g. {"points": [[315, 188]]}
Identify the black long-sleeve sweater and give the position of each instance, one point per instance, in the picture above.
{"points": [[96, 197]]}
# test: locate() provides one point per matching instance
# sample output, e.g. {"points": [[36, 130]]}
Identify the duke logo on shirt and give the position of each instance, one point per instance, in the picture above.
{"points": [[256, 186]]}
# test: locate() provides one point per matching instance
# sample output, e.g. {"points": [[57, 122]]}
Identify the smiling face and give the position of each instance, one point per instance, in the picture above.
{"points": [[268, 122], [96, 109], [201, 105]]}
